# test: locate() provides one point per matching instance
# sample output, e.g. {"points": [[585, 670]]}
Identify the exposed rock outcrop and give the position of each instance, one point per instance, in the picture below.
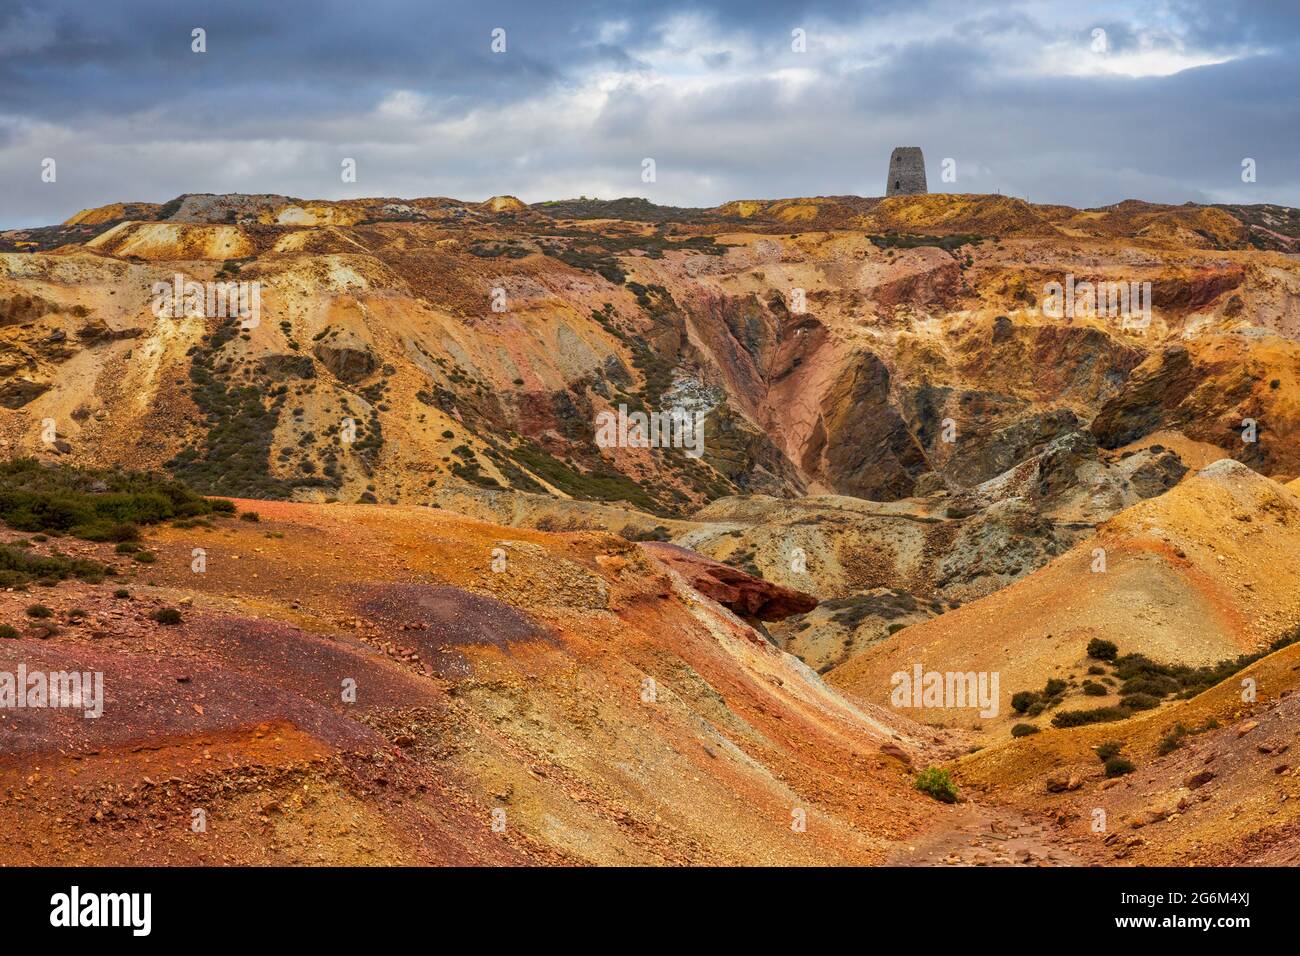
{"points": [[746, 595], [347, 356]]}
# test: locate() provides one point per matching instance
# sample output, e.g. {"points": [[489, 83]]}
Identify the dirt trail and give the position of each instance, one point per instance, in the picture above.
{"points": [[988, 835]]}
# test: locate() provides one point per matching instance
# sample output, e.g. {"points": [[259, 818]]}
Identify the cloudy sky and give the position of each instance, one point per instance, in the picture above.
{"points": [[1064, 102]]}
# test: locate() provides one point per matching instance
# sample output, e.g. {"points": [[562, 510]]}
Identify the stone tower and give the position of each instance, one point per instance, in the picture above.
{"points": [[906, 172]]}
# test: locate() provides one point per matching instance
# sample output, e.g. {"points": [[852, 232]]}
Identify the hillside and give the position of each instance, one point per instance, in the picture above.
{"points": [[918, 311], [1214, 780], [1191, 577], [613, 714], [445, 621]]}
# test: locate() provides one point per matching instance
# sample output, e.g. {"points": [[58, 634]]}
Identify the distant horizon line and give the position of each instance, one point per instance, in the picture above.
{"points": [[642, 199]]}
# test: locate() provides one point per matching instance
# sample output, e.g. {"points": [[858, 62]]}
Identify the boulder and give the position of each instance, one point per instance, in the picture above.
{"points": [[744, 594], [1058, 783], [347, 356], [282, 365], [17, 392], [97, 330], [897, 752]]}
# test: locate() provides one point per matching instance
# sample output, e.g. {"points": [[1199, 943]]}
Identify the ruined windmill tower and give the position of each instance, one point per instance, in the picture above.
{"points": [[906, 172]]}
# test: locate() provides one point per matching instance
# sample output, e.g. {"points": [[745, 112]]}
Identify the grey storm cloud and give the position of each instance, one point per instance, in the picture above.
{"points": [[1016, 93]]}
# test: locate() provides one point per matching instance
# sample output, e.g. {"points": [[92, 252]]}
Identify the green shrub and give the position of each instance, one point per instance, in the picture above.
{"points": [[166, 615], [1023, 700], [1024, 730], [145, 557], [19, 568], [1139, 701], [38, 611], [1154, 685], [1109, 749], [121, 594], [1102, 650], [1119, 766], [94, 504], [8, 632], [1093, 689], [126, 547], [122, 531], [1172, 740], [1098, 715], [249, 516], [938, 784]]}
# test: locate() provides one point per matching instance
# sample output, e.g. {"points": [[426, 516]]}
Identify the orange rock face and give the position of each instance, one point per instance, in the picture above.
{"points": [[746, 595]]}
